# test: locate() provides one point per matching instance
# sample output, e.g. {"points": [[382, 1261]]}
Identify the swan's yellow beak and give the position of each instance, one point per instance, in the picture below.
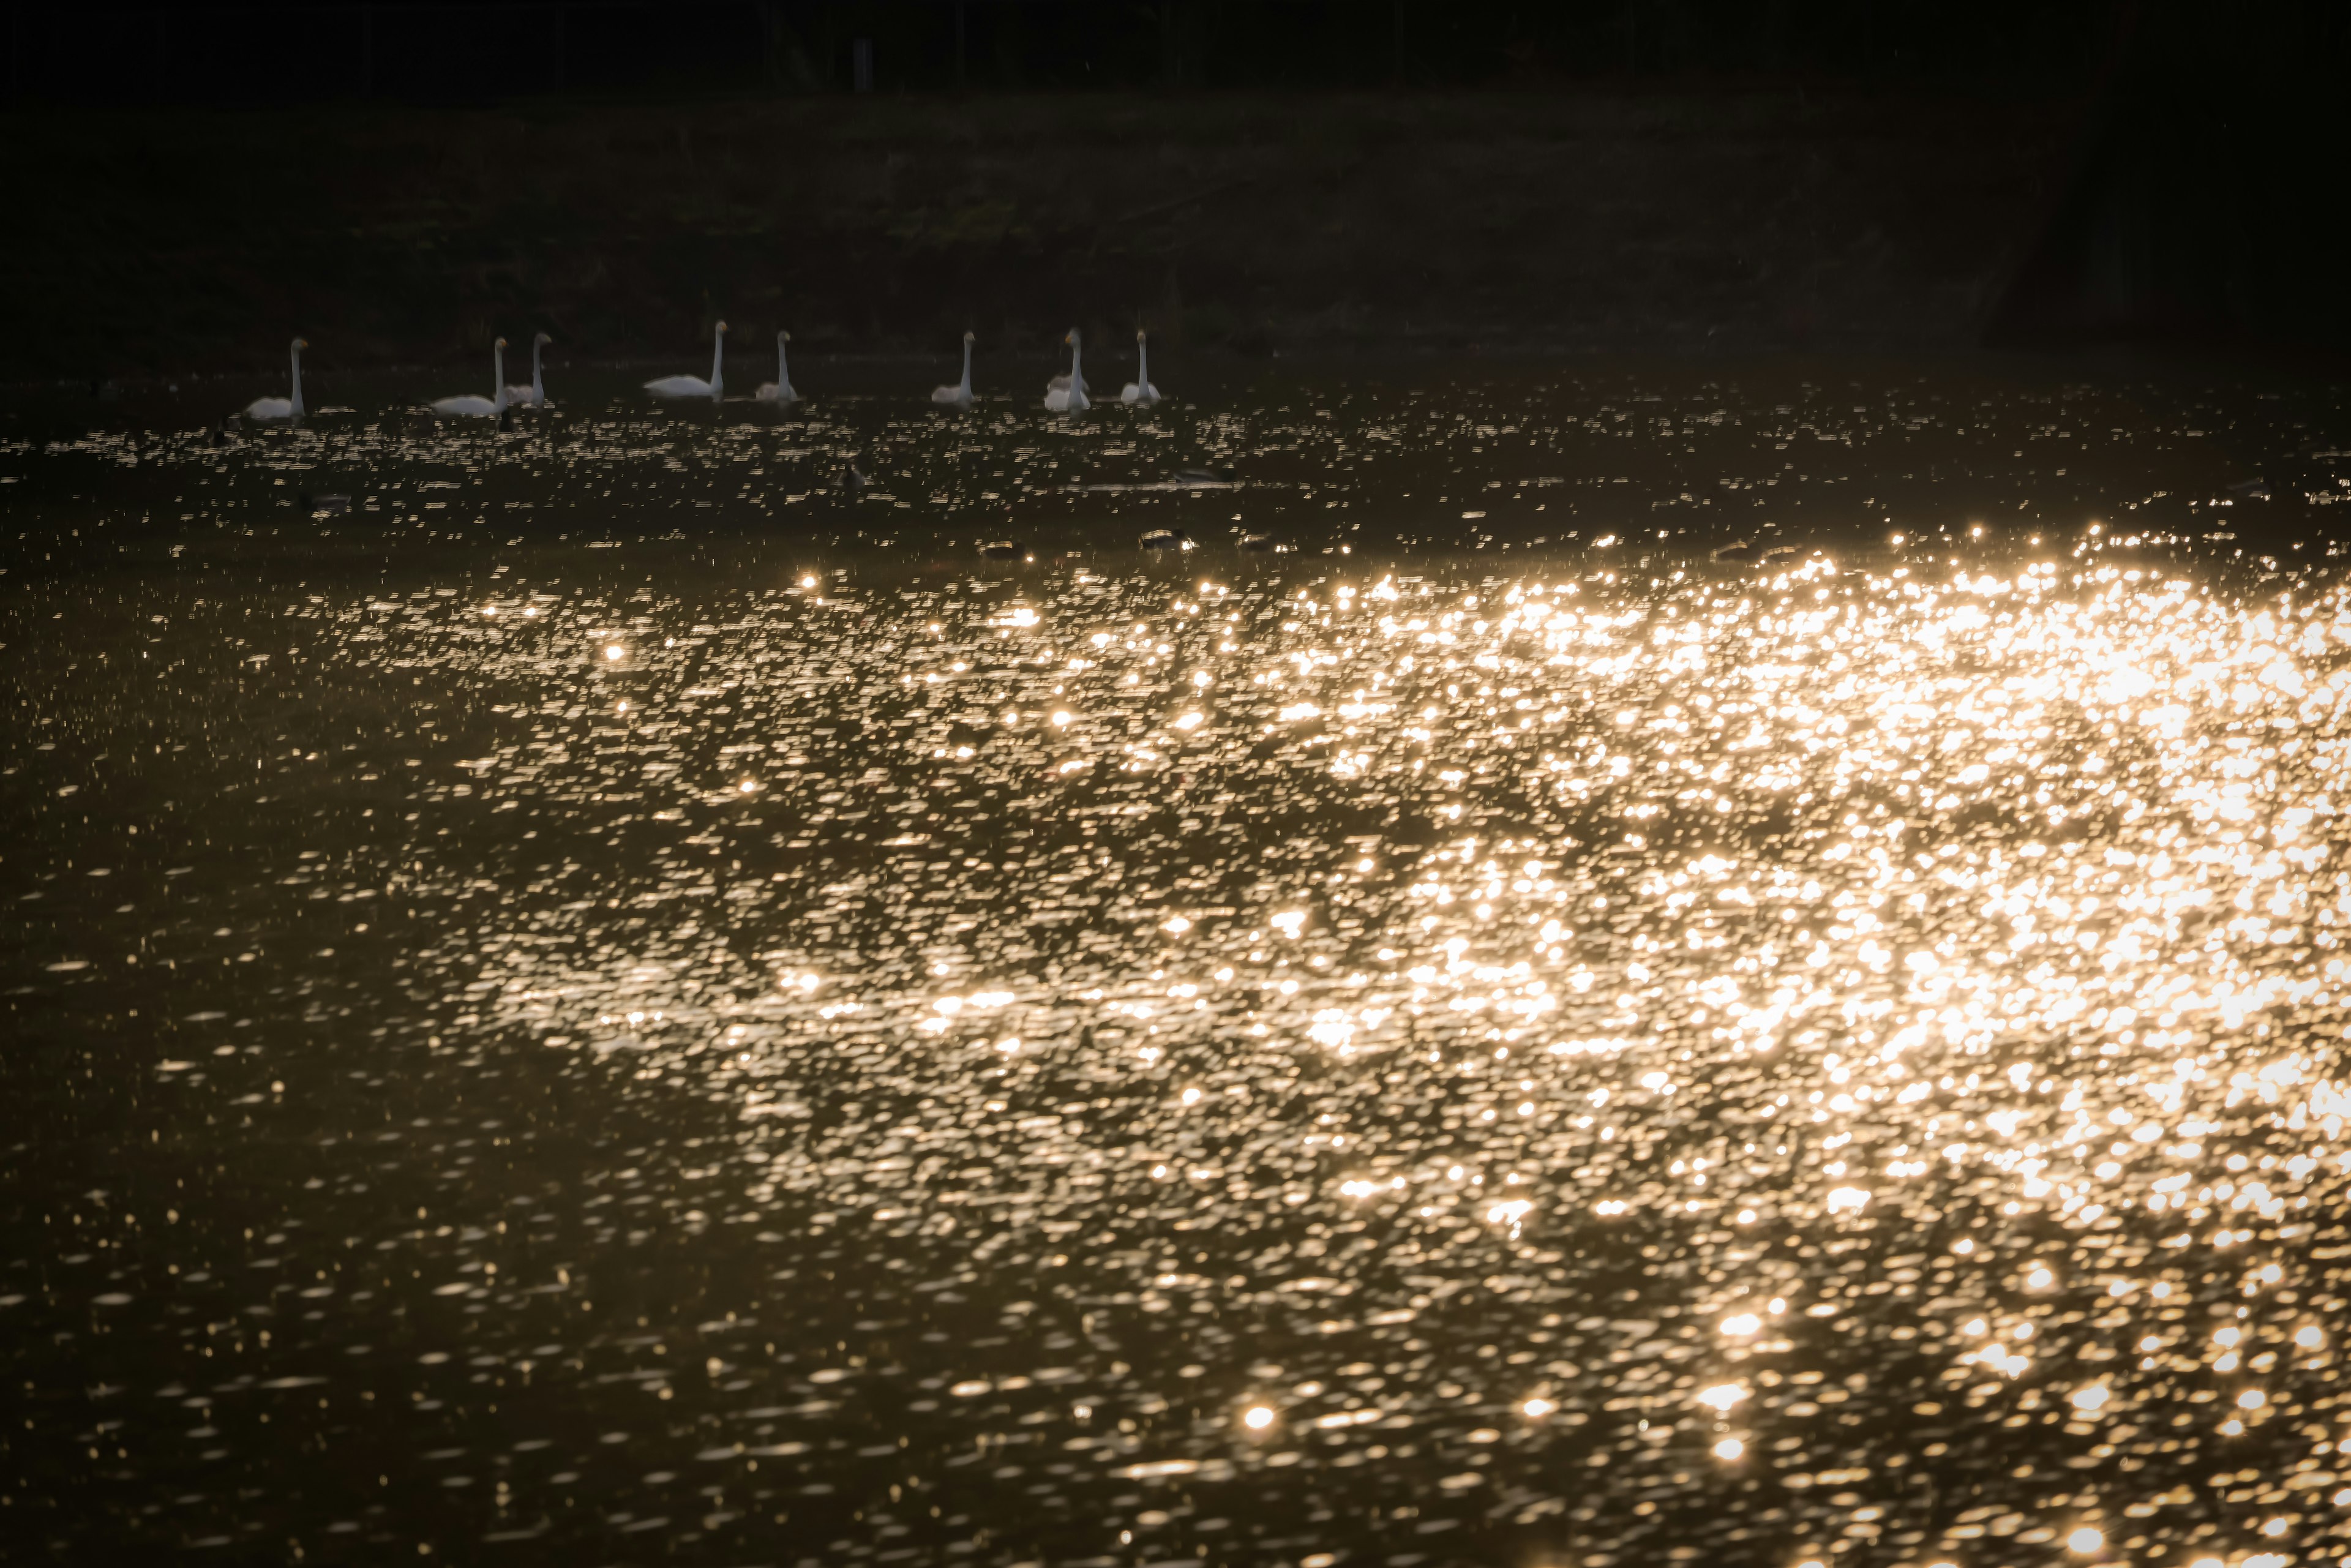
{"points": [[500, 343], [722, 326], [301, 342]]}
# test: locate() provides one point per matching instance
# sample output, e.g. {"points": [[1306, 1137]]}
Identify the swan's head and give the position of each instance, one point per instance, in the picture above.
{"points": [[783, 337], [722, 327], [300, 344], [499, 344], [1138, 334], [1073, 338], [969, 340], [540, 340]]}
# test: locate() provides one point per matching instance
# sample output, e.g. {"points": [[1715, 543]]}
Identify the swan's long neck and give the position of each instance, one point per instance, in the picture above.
{"points": [[717, 363], [1076, 380], [537, 392], [497, 376], [783, 364], [1143, 361], [967, 370], [298, 383]]}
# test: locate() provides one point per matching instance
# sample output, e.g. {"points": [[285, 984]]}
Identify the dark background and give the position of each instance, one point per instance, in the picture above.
{"points": [[401, 181], [434, 52]]}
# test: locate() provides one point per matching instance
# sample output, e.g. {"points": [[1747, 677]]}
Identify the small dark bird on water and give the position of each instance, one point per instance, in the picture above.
{"points": [[1258, 544], [1165, 538], [1000, 550], [852, 480], [1203, 477]]}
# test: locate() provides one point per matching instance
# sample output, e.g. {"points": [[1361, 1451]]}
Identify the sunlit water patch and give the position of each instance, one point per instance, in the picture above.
{"points": [[1360, 1061]]}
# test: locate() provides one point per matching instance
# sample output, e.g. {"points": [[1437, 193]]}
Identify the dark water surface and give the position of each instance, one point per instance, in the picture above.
{"points": [[614, 1003]]}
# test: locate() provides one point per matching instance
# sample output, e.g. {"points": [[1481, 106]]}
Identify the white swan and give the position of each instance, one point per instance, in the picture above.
{"points": [[1062, 383], [1139, 389], [694, 386], [282, 407], [481, 406], [781, 389], [1067, 394], [535, 394], [959, 395]]}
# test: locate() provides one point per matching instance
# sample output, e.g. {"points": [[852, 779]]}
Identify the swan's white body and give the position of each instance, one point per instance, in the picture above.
{"points": [[1067, 394], [535, 394], [958, 395], [781, 389], [1139, 389], [1062, 383], [481, 407], [281, 407], [694, 386]]}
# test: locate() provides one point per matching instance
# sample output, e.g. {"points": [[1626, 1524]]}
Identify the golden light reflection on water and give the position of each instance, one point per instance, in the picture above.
{"points": [[1835, 1064], [1929, 981]]}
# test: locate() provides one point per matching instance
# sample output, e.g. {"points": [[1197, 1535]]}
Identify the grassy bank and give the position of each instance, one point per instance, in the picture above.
{"points": [[171, 243]]}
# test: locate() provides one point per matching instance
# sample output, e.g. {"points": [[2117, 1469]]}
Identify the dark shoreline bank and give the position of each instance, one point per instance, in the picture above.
{"points": [[1776, 217]]}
